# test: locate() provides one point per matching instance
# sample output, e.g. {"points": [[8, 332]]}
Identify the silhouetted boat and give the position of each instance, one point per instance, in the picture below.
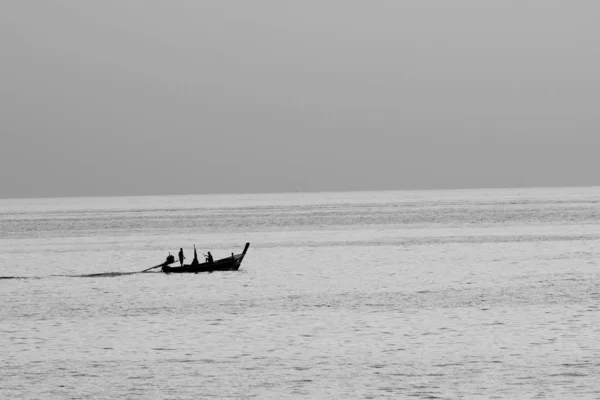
{"points": [[231, 263]]}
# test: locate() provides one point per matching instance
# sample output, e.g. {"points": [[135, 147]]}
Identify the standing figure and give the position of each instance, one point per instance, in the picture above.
{"points": [[181, 257]]}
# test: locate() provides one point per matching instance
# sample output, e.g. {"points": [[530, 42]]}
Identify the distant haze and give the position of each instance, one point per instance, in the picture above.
{"points": [[172, 97]]}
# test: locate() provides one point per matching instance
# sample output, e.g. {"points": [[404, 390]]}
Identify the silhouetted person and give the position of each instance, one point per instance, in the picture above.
{"points": [[209, 258], [181, 257]]}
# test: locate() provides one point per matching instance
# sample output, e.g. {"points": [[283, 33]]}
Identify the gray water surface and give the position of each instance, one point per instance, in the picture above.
{"points": [[418, 295]]}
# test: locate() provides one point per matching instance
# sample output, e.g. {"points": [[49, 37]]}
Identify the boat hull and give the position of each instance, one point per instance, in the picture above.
{"points": [[225, 264]]}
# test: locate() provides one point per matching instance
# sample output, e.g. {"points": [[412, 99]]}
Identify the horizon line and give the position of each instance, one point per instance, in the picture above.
{"points": [[299, 192]]}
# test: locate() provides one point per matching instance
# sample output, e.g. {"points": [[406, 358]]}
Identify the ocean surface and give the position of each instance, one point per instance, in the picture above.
{"points": [[480, 294]]}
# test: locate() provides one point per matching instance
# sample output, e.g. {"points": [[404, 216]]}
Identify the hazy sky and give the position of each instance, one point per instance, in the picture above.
{"points": [[118, 97]]}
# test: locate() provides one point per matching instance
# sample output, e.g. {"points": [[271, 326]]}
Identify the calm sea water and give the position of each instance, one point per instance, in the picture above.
{"points": [[424, 295]]}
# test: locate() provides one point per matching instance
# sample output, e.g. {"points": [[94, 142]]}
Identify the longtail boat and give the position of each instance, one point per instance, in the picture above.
{"points": [[231, 263]]}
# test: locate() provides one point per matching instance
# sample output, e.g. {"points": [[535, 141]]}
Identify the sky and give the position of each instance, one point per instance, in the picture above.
{"points": [[148, 97]]}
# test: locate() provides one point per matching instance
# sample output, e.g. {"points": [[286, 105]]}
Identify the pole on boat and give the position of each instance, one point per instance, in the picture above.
{"points": [[156, 266], [170, 260]]}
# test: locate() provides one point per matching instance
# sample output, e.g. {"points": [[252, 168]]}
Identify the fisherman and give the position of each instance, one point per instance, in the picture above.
{"points": [[181, 257], [195, 260], [209, 258]]}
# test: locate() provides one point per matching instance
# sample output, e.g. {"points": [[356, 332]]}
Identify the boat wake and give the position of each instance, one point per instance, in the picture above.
{"points": [[102, 275], [98, 275], [19, 277]]}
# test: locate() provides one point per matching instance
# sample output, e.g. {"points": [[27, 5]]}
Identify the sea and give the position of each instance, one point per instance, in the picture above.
{"points": [[457, 294]]}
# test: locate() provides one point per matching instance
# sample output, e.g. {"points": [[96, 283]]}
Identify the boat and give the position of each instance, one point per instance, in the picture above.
{"points": [[231, 263]]}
